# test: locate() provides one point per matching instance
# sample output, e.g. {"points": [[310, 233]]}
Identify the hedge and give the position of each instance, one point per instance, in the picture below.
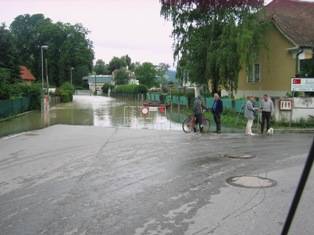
{"points": [[130, 89], [65, 91]]}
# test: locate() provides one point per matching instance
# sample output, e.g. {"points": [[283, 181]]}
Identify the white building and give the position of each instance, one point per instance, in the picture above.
{"points": [[96, 82]]}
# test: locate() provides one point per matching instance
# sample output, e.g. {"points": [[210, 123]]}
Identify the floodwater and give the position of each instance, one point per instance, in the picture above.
{"points": [[95, 111]]}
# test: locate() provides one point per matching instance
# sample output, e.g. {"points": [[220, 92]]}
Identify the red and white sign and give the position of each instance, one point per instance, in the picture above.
{"points": [[145, 110], [285, 105], [302, 84]]}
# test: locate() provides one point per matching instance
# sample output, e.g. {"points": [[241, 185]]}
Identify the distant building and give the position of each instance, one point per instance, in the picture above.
{"points": [[26, 75], [134, 81], [96, 82]]}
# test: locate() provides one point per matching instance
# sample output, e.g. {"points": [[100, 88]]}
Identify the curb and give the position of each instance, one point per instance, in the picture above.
{"points": [[15, 116], [294, 130]]}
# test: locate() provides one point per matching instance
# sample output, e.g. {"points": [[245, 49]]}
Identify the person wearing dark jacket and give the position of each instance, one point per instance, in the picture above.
{"points": [[217, 109]]}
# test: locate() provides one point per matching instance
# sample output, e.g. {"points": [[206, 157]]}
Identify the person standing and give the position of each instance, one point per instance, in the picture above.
{"points": [[267, 108], [217, 109], [198, 113], [249, 113]]}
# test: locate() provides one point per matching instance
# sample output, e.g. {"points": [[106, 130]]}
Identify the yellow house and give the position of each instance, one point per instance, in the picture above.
{"points": [[288, 41]]}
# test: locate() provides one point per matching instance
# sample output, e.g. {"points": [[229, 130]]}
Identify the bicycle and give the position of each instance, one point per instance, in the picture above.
{"points": [[189, 123]]}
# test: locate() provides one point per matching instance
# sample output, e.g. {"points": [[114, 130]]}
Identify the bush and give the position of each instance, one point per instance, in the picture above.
{"points": [[106, 87], [5, 91], [34, 91], [130, 89], [141, 89], [188, 93], [16, 90], [65, 91]]}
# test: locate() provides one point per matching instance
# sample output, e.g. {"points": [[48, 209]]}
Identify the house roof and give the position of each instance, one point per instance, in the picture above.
{"points": [[295, 19], [26, 75]]}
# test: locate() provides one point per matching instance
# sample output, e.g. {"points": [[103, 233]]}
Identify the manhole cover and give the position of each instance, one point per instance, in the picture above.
{"points": [[251, 182], [239, 156]]}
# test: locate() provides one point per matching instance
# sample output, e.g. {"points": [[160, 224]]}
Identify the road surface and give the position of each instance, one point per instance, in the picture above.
{"points": [[91, 180]]}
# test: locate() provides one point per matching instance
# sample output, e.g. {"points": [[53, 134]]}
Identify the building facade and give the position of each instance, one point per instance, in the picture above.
{"points": [[287, 52], [96, 82]]}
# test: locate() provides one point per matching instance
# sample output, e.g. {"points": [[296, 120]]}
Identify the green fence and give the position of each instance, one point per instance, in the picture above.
{"points": [[228, 103], [153, 97], [14, 106]]}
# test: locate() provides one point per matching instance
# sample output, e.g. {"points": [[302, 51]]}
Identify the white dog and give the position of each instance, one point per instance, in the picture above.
{"points": [[270, 131]]}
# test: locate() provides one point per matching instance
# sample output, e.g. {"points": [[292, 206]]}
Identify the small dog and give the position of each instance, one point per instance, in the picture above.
{"points": [[270, 131]]}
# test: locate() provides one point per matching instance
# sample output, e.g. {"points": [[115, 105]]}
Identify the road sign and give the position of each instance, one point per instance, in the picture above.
{"points": [[153, 109], [145, 111], [302, 84]]}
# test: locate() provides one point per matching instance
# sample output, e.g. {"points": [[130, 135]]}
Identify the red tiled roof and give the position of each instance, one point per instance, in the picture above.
{"points": [[26, 75], [295, 19]]}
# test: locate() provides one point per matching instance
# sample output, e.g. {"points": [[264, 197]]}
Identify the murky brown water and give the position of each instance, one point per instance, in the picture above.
{"points": [[96, 111]]}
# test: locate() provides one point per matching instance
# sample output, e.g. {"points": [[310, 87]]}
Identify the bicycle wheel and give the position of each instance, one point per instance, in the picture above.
{"points": [[187, 125], [206, 125]]}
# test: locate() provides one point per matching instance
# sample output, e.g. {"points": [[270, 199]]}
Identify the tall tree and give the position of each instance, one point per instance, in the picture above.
{"points": [[68, 46], [146, 74], [26, 30], [9, 69], [116, 63], [127, 60], [213, 39], [121, 76], [101, 67], [161, 70]]}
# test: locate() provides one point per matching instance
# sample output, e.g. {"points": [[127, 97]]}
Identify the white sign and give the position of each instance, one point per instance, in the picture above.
{"points": [[285, 105], [302, 84], [153, 109]]}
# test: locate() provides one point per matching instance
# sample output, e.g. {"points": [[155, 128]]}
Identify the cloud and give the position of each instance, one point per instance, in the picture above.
{"points": [[116, 26]]}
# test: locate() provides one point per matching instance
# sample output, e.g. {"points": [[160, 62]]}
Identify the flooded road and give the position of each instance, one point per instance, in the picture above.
{"points": [[95, 111]]}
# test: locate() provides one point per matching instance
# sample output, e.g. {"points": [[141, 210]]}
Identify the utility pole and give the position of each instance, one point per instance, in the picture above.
{"points": [[71, 75], [42, 47]]}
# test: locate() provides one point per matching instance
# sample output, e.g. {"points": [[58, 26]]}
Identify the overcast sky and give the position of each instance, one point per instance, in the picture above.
{"points": [[118, 27]]}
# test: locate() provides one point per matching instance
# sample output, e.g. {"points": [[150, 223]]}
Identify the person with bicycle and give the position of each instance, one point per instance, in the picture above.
{"points": [[198, 113]]}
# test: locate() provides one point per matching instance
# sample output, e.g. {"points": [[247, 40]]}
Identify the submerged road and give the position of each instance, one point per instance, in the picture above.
{"points": [[91, 180]]}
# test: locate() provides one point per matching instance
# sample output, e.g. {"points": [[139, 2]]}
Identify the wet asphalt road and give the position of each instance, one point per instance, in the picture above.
{"points": [[91, 180]]}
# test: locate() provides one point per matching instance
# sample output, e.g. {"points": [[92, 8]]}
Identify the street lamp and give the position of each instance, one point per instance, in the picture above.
{"points": [[42, 64], [47, 80], [71, 74], [95, 92]]}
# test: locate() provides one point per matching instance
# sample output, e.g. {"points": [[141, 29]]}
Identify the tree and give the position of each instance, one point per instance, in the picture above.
{"points": [[127, 60], [68, 46], [213, 39], [9, 69], [161, 71], [26, 30], [121, 76], [116, 63], [146, 74], [101, 67]]}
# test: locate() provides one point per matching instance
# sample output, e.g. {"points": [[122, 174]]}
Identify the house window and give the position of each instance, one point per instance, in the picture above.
{"points": [[307, 68], [254, 73]]}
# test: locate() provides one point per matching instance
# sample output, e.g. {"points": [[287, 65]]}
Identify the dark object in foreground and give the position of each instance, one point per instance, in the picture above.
{"points": [[298, 193]]}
